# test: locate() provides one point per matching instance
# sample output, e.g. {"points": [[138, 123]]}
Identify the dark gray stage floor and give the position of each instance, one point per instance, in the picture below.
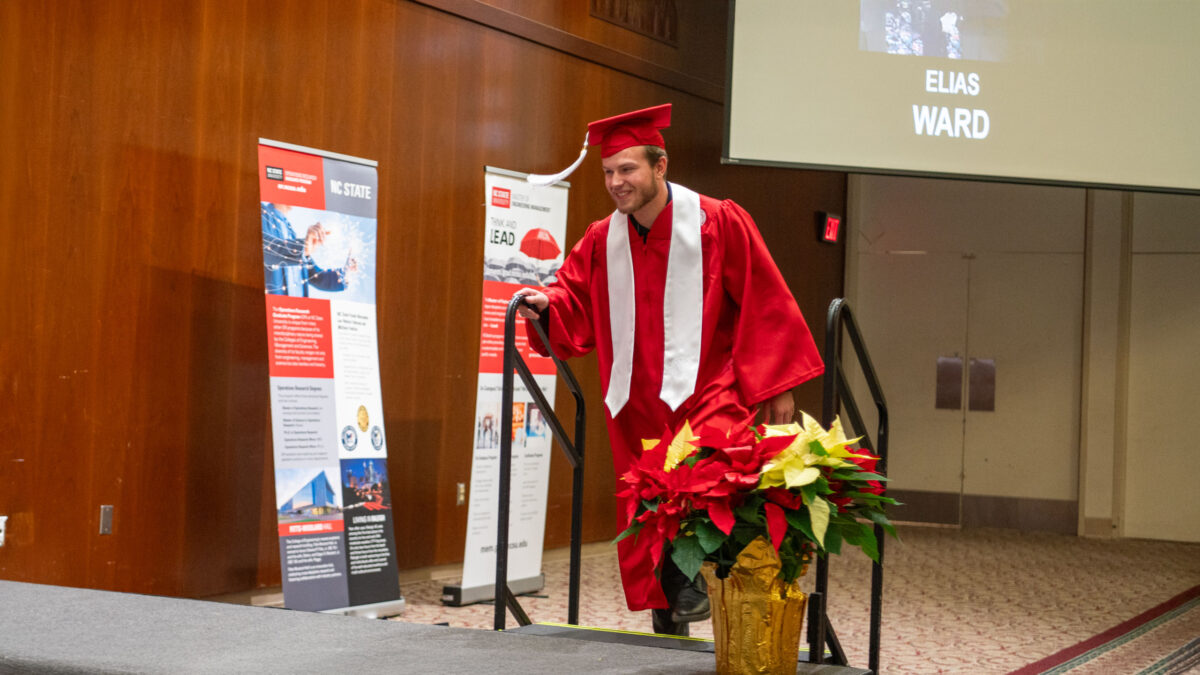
{"points": [[51, 629]]}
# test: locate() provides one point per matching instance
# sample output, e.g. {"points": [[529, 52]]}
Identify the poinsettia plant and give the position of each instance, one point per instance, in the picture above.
{"points": [[801, 486]]}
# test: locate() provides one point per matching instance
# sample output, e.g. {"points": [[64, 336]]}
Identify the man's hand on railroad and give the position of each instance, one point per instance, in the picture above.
{"points": [[779, 409], [538, 299]]}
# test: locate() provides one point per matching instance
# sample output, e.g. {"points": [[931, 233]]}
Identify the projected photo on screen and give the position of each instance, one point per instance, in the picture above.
{"points": [[1100, 93], [949, 29]]}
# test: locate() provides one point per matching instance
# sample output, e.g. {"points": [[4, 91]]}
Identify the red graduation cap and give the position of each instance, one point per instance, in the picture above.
{"points": [[640, 127], [614, 134]]}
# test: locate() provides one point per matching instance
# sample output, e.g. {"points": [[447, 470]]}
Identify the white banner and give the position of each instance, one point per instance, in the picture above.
{"points": [[524, 231]]}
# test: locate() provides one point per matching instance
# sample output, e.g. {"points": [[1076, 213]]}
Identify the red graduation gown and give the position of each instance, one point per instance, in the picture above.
{"points": [[754, 344]]}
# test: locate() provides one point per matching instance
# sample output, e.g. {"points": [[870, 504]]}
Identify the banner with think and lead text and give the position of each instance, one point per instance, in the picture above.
{"points": [[523, 233]]}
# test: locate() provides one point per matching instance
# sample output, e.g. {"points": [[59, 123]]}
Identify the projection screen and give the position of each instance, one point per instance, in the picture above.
{"points": [[1104, 93]]}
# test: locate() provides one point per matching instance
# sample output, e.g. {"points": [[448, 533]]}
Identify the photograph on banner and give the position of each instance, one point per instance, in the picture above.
{"points": [[518, 423], [534, 262], [317, 253], [309, 494], [487, 425], [535, 425], [365, 484]]}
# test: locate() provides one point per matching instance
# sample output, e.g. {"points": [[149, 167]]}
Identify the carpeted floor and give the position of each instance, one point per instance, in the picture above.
{"points": [[955, 601], [1123, 648]]}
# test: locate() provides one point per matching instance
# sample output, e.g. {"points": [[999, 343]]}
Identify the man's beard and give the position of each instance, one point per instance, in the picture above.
{"points": [[641, 197]]}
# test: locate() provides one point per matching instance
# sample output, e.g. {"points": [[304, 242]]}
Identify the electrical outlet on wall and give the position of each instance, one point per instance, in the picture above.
{"points": [[106, 516]]}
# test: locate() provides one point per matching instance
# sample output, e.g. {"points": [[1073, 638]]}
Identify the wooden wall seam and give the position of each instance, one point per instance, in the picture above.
{"points": [[573, 45]]}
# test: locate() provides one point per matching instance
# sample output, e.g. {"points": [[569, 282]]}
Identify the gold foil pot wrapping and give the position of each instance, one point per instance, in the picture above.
{"points": [[756, 617]]}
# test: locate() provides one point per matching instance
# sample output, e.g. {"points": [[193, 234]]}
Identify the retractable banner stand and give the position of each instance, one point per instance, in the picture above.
{"points": [[332, 495], [523, 247]]}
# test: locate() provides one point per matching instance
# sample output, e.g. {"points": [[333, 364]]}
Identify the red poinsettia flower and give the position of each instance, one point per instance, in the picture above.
{"points": [[785, 498], [688, 483], [868, 464]]}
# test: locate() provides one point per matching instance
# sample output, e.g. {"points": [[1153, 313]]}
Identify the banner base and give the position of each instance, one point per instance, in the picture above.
{"points": [[455, 595], [375, 610]]}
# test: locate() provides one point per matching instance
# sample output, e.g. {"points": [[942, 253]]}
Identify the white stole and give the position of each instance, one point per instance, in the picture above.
{"points": [[683, 304]]}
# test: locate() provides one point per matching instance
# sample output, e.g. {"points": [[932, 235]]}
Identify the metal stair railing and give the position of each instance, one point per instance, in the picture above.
{"points": [[836, 393], [513, 360]]}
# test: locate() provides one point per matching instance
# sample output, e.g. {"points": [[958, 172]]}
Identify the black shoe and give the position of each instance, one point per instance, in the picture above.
{"points": [[691, 604], [688, 599], [664, 625]]}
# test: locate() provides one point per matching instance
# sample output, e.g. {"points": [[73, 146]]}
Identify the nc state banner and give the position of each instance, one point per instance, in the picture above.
{"points": [[523, 246], [333, 498]]}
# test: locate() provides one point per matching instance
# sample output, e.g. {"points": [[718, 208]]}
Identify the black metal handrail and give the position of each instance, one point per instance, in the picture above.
{"points": [[513, 360], [836, 394]]}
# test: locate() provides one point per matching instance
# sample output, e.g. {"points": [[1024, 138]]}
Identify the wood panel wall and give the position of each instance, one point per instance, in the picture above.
{"points": [[132, 335]]}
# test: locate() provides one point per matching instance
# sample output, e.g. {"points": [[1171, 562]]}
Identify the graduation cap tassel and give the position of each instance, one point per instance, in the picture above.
{"points": [[551, 179]]}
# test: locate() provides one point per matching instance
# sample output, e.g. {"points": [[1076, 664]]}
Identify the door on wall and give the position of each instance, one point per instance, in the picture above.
{"points": [[986, 280], [997, 443], [1025, 313]]}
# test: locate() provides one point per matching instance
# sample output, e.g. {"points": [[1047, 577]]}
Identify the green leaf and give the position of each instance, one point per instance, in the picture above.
{"points": [[870, 500], [748, 513], [868, 544], [740, 538], [817, 449], [808, 493], [800, 520], [861, 535], [833, 540], [863, 475], [880, 519], [632, 529], [710, 537], [688, 555], [860, 495], [650, 505]]}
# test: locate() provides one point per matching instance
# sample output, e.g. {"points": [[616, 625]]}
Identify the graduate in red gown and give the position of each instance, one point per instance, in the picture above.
{"points": [[688, 314]]}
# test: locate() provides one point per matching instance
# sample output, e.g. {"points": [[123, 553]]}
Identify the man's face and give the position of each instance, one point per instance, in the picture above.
{"points": [[631, 180]]}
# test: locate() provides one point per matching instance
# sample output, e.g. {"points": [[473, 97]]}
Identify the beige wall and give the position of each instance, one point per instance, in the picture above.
{"points": [[1140, 334], [1161, 458]]}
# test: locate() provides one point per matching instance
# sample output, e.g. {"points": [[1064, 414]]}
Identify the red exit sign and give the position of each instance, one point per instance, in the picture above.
{"points": [[830, 227]]}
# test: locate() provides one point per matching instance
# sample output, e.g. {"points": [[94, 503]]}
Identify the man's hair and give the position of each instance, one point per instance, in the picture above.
{"points": [[654, 153]]}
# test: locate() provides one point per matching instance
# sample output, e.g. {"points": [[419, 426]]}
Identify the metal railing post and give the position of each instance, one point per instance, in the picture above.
{"points": [[836, 392], [572, 448]]}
